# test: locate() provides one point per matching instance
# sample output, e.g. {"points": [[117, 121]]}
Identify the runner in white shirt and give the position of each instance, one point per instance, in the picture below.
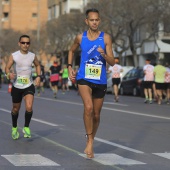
{"points": [[116, 70], [148, 80], [23, 87], [167, 83]]}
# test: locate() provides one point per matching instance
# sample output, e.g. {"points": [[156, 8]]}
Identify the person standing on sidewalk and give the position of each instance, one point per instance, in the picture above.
{"points": [[23, 86], [148, 80], [96, 50]]}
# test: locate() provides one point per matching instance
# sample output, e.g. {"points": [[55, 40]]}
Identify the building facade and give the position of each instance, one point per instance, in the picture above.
{"points": [[61, 7], [23, 15]]}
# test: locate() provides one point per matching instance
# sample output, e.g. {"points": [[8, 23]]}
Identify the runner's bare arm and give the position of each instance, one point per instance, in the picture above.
{"points": [[38, 70], [109, 57], [8, 67], [72, 50], [37, 66]]}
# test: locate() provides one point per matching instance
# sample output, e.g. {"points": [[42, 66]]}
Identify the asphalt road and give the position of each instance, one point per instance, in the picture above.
{"points": [[132, 135]]}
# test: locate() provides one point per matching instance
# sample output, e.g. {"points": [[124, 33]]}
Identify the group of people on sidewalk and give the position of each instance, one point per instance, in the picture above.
{"points": [[91, 78]]}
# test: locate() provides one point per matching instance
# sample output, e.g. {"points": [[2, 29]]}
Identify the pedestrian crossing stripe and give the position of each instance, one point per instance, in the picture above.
{"points": [[29, 160], [164, 155], [113, 159]]}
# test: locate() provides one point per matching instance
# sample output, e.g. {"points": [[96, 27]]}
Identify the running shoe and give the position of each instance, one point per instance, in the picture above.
{"points": [[27, 132], [146, 100], [150, 101], [15, 133], [55, 95]]}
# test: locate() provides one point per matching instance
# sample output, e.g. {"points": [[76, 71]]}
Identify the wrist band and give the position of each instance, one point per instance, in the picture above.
{"points": [[38, 75], [69, 65], [7, 76]]}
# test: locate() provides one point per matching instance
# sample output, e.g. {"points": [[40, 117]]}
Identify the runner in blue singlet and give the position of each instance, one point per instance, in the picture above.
{"points": [[96, 50]]}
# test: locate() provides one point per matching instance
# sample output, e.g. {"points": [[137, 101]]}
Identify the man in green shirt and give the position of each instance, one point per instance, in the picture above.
{"points": [[159, 72]]}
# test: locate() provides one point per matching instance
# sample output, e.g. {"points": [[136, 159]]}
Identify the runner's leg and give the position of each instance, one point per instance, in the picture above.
{"points": [[15, 113], [29, 98], [86, 95], [97, 105]]}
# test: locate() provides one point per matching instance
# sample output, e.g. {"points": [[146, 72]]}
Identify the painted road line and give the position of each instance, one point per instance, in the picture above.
{"points": [[44, 122], [136, 113], [164, 155], [29, 160], [111, 109], [117, 145], [97, 139], [113, 159], [34, 119], [57, 100], [118, 104]]}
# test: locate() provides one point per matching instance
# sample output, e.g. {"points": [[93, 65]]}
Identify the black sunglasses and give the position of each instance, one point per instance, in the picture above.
{"points": [[28, 43]]}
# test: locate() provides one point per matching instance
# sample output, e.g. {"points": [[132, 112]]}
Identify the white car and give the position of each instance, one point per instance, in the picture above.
{"points": [[122, 74]]}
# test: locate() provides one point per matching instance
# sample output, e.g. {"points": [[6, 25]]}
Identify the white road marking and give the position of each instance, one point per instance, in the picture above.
{"points": [[137, 113], [108, 108], [29, 160], [97, 139], [113, 159], [112, 103], [34, 119], [117, 145], [45, 122], [164, 155], [62, 101]]}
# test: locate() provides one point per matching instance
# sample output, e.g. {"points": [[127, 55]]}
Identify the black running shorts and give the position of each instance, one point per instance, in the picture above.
{"points": [[115, 81], [54, 83], [160, 86], [18, 94], [98, 90], [147, 84]]}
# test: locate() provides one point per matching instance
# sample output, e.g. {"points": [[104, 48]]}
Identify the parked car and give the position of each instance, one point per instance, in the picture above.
{"points": [[122, 74], [132, 82]]}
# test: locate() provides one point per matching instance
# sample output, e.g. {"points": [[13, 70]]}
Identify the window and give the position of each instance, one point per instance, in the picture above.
{"points": [[6, 1], [126, 77], [34, 15], [75, 11], [5, 15]]}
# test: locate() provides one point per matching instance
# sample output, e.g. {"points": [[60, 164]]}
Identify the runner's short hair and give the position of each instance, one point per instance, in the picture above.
{"points": [[23, 36], [91, 10], [148, 59]]}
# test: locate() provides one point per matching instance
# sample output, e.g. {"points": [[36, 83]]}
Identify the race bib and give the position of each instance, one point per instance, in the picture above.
{"points": [[93, 71], [22, 80]]}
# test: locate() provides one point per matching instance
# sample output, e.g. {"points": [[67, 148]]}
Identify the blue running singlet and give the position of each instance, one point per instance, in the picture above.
{"points": [[92, 64]]}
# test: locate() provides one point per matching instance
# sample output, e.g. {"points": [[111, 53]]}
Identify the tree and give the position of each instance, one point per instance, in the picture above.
{"points": [[128, 21], [62, 31]]}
